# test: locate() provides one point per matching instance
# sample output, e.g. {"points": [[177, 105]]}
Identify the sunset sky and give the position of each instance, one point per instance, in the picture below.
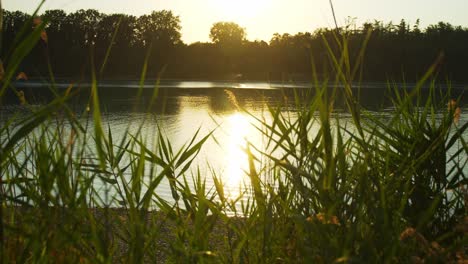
{"points": [[262, 18]]}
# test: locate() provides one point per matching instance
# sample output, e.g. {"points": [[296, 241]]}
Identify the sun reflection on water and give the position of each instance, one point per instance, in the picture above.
{"points": [[238, 130]]}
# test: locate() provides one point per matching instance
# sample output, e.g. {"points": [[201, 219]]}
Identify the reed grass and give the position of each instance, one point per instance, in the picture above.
{"points": [[371, 190]]}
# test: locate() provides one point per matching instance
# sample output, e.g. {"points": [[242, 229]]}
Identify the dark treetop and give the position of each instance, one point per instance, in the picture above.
{"points": [[394, 51]]}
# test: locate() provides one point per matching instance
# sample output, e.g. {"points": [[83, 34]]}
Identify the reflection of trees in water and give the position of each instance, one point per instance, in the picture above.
{"points": [[172, 100]]}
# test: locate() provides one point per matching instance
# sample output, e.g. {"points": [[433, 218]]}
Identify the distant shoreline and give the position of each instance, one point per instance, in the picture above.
{"points": [[216, 84]]}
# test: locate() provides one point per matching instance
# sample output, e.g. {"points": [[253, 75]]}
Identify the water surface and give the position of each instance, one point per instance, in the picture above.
{"points": [[182, 108]]}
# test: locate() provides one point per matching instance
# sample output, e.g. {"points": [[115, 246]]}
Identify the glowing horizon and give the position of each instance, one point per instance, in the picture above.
{"points": [[263, 18]]}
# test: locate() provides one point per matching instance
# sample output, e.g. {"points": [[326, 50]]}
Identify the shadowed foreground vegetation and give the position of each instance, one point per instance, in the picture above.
{"points": [[371, 190]]}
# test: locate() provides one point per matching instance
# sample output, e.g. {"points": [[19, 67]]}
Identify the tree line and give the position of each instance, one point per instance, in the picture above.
{"points": [[78, 43]]}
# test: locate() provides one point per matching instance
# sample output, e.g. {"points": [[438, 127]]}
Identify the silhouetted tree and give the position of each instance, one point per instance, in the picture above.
{"points": [[83, 37], [227, 33]]}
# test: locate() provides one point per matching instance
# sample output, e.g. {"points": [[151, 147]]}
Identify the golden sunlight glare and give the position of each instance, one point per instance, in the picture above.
{"points": [[239, 10], [238, 129]]}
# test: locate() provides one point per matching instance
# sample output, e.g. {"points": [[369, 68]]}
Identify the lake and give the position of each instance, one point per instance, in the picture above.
{"points": [[228, 109]]}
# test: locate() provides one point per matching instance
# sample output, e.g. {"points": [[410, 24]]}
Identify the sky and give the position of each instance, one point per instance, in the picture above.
{"points": [[263, 18]]}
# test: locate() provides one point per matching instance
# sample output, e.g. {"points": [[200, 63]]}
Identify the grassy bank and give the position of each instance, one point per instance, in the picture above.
{"points": [[372, 190]]}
